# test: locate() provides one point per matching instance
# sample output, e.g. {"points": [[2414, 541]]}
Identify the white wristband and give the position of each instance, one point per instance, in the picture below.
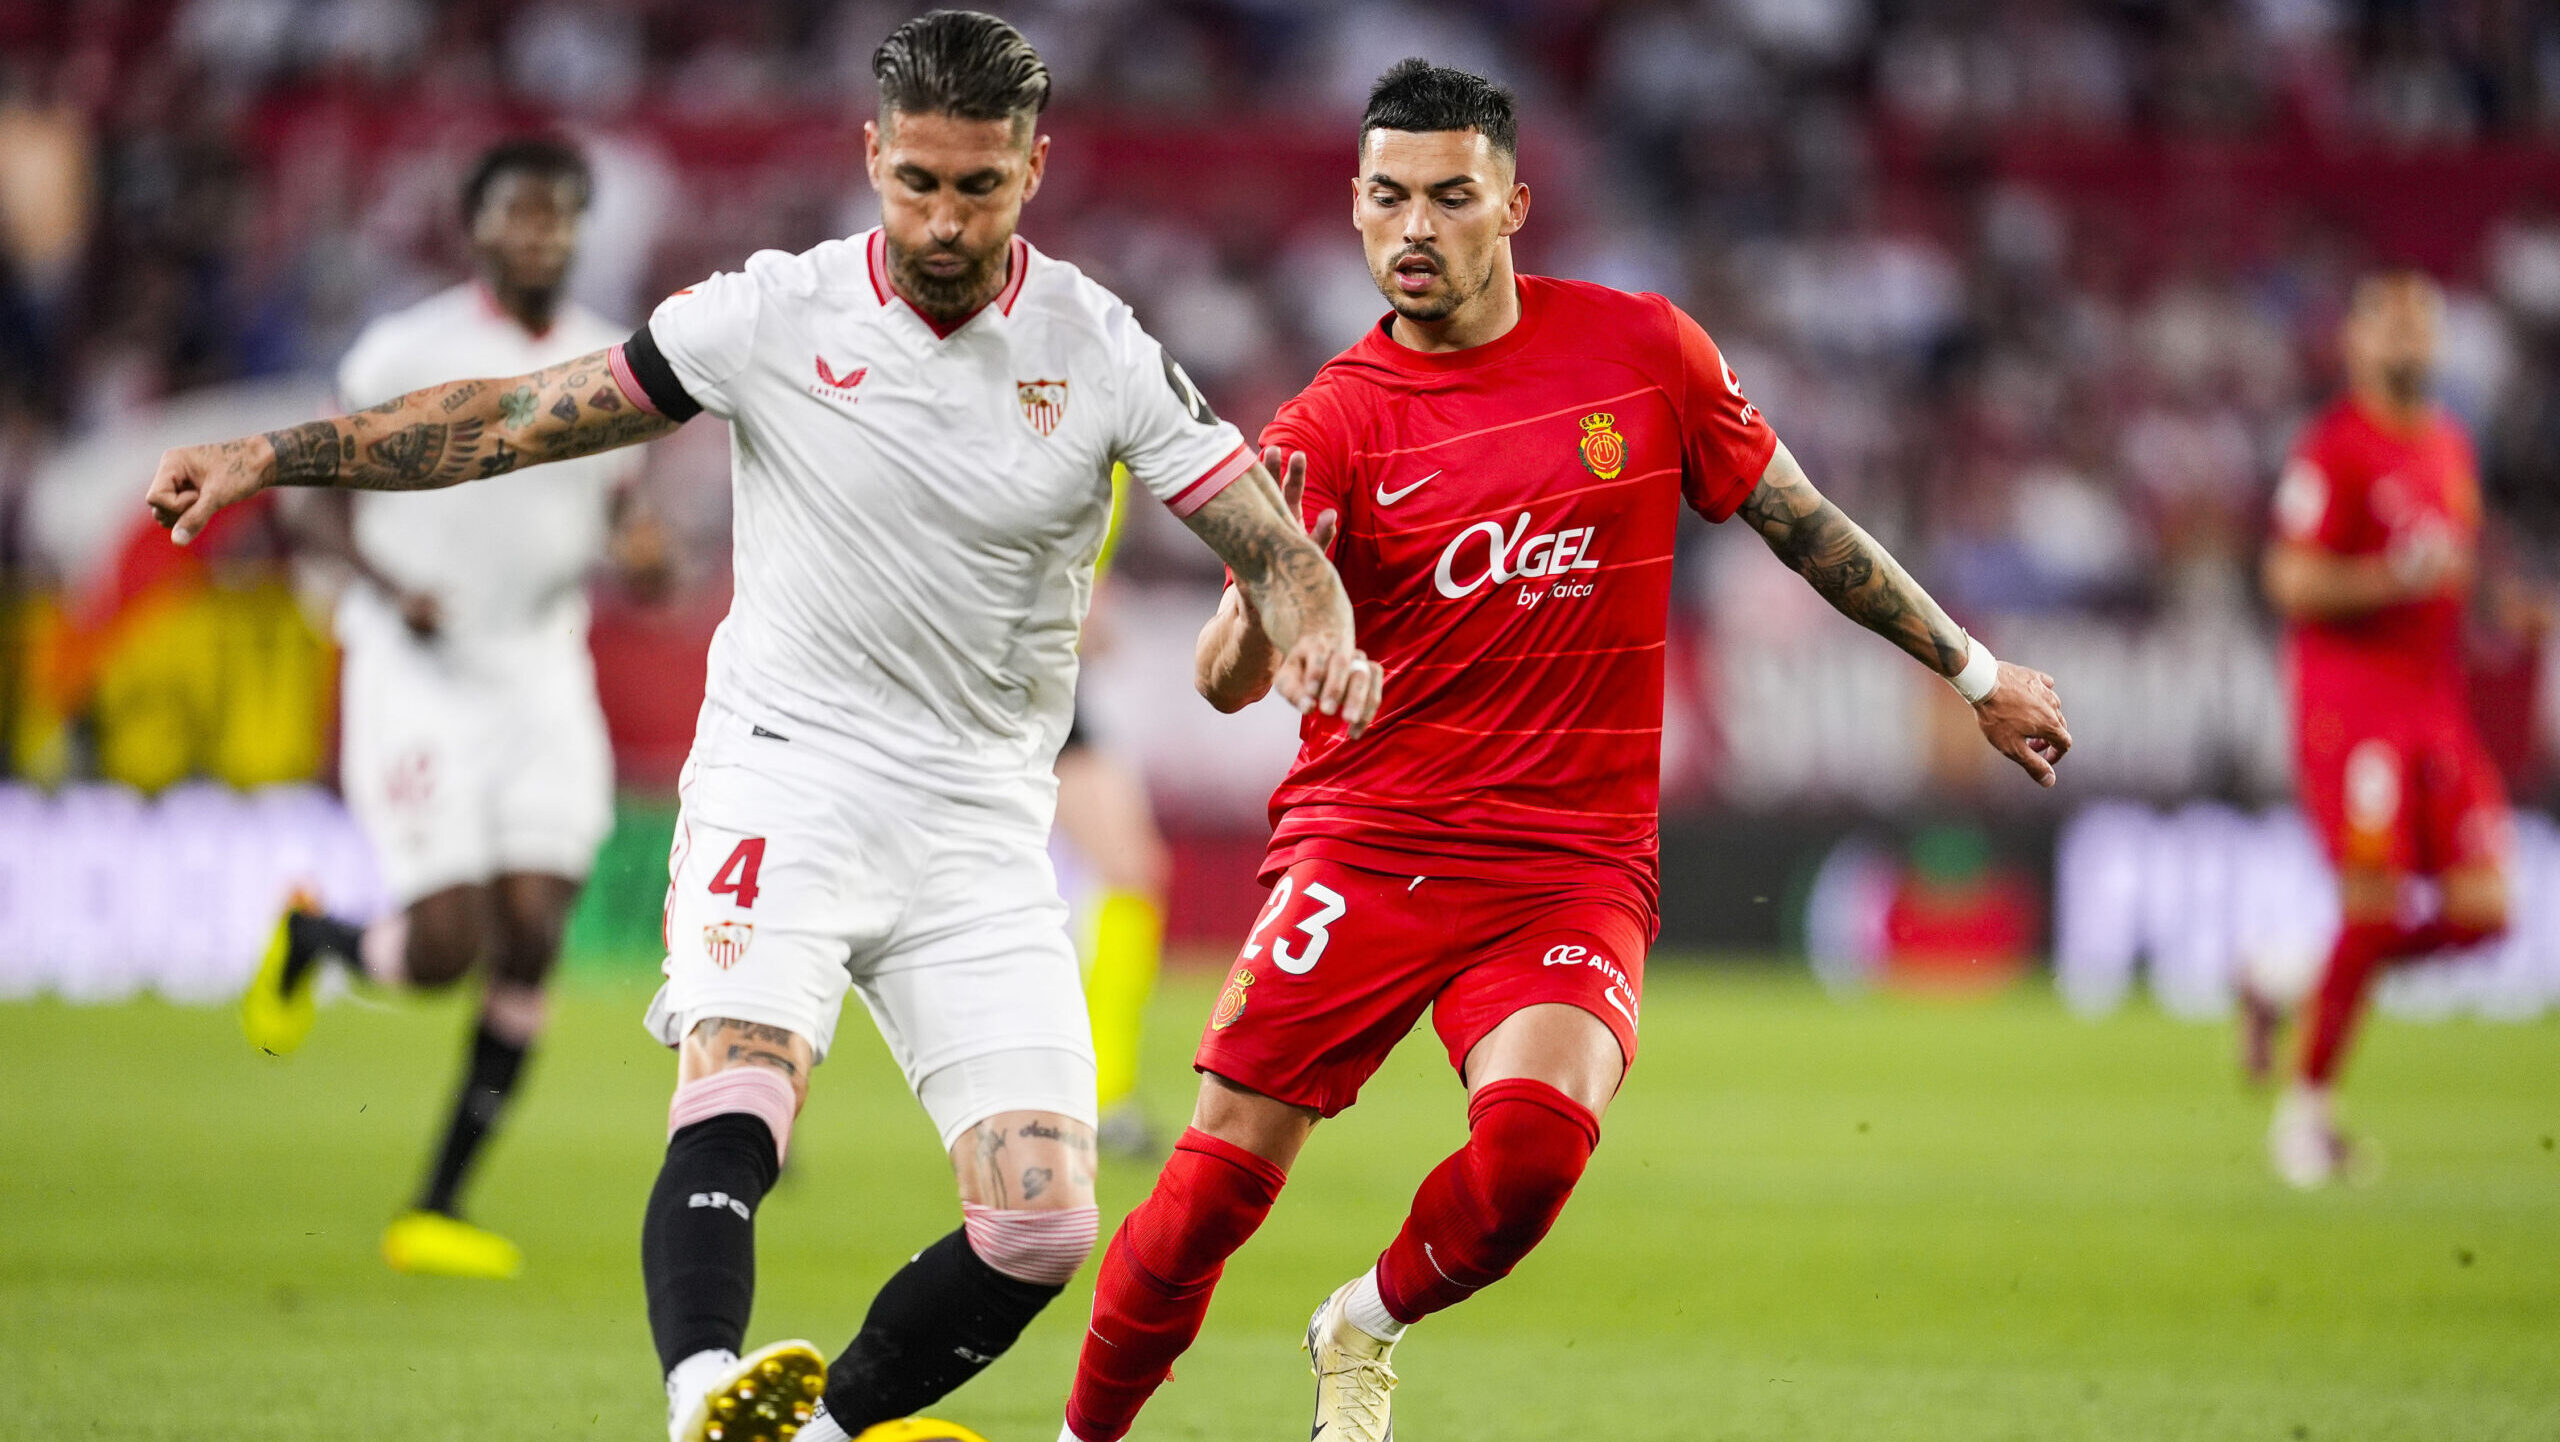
{"points": [[1981, 674]]}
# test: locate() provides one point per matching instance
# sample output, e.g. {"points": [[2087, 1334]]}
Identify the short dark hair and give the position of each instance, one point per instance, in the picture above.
{"points": [[526, 155], [961, 64], [1417, 95]]}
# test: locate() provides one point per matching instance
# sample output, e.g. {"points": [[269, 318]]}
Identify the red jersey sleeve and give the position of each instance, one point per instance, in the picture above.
{"points": [[2322, 499], [1312, 422], [1725, 443]]}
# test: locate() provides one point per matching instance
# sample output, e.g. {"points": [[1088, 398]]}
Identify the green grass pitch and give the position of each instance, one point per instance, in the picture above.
{"points": [[1892, 1220]]}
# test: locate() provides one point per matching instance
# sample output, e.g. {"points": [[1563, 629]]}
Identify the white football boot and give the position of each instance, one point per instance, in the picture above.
{"points": [[1354, 1385], [2303, 1143], [765, 1396]]}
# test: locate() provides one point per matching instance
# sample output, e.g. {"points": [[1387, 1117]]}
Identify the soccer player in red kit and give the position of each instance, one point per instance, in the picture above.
{"points": [[1496, 470], [2377, 521]]}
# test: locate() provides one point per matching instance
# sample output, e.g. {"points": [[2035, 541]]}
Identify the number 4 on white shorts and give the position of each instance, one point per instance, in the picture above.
{"points": [[1329, 909]]}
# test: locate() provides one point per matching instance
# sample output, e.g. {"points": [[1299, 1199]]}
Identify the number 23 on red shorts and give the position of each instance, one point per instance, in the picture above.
{"points": [[1342, 960]]}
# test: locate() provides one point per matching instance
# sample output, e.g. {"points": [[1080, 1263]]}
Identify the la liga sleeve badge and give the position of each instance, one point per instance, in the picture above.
{"points": [[1604, 451]]}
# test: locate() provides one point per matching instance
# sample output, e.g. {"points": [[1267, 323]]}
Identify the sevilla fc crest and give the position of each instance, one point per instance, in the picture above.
{"points": [[1231, 1001], [1604, 451], [725, 941], [1044, 404]]}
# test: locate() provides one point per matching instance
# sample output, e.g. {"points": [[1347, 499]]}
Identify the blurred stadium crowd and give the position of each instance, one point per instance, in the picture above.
{"points": [[2039, 288]]}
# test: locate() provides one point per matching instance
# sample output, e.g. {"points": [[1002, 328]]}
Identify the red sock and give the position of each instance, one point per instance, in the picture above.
{"points": [[2359, 951], [1157, 1276], [1480, 1212], [2362, 950]]}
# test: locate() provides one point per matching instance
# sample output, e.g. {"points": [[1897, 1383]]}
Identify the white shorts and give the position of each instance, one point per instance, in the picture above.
{"points": [[797, 875], [462, 767]]}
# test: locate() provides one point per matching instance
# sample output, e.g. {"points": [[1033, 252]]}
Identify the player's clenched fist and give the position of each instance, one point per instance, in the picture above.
{"points": [[2022, 719], [193, 482]]}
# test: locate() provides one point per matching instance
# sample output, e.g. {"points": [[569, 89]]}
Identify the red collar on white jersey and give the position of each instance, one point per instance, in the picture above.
{"points": [[1017, 267]]}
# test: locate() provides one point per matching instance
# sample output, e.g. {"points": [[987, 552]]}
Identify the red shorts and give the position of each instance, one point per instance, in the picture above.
{"points": [[1342, 961], [2414, 791]]}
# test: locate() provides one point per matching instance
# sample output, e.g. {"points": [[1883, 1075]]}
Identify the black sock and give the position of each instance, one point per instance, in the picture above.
{"points": [[938, 1323], [310, 936], [495, 1064], [698, 1244]]}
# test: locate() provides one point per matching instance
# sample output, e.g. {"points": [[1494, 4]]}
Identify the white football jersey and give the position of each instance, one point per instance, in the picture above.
{"points": [[505, 558], [917, 514]]}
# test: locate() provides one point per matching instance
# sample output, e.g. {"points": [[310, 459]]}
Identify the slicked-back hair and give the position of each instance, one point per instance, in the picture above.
{"points": [[1416, 95], [961, 64], [526, 155]]}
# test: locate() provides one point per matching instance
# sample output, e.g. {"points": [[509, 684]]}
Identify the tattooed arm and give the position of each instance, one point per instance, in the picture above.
{"points": [[440, 436], [2022, 715], [1261, 634]]}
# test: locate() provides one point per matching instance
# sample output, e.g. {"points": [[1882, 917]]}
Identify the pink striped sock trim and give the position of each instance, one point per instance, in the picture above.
{"points": [[1042, 1248], [750, 1090]]}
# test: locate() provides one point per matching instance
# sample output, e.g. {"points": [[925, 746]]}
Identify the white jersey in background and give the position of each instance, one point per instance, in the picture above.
{"points": [[482, 750], [917, 514], [506, 559]]}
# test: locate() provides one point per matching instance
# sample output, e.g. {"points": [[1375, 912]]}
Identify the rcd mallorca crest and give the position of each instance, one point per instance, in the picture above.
{"points": [[1044, 404], [1231, 1001], [1604, 451]]}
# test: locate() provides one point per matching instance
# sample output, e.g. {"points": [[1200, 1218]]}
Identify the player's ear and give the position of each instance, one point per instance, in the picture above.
{"points": [[1515, 211], [871, 152], [1039, 166]]}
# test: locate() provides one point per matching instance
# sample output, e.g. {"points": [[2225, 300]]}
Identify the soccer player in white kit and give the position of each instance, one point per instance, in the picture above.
{"points": [[925, 418], [474, 753]]}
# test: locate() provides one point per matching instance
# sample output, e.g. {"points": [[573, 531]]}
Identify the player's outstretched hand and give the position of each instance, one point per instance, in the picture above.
{"points": [[2022, 719], [1326, 674], [1321, 673], [193, 482], [1291, 468]]}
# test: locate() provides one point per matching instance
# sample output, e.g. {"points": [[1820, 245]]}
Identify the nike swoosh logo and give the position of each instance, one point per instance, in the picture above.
{"points": [[1388, 498]]}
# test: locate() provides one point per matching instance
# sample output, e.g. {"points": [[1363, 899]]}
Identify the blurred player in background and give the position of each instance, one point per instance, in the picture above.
{"points": [[924, 419], [2376, 534], [1104, 813], [474, 751], [1498, 469]]}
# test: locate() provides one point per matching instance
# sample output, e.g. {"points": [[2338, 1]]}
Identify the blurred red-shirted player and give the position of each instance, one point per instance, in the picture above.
{"points": [[1497, 471], [2377, 522]]}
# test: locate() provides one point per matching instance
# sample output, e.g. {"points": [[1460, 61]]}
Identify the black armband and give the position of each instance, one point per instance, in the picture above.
{"points": [[639, 365]]}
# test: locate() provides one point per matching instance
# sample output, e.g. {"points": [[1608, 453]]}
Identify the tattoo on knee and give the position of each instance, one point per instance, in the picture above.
{"points": [[990, 1165], [748, 1043]]}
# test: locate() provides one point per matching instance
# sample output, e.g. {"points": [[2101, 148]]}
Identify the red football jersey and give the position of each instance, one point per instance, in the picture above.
{"points": [[2359, 487], [1507, 516]]}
